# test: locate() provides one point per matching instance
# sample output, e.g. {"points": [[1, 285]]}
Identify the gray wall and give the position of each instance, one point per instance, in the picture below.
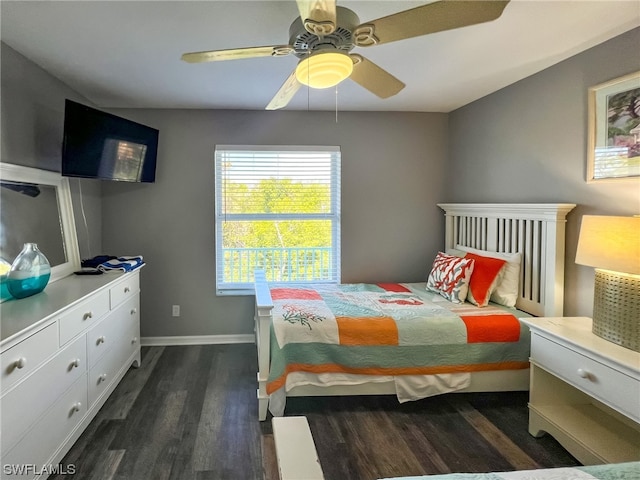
{"points": [[528, 143], [391, 227], [31, 126]]}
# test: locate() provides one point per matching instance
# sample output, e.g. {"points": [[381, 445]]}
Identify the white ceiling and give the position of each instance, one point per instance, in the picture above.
{"points": [[127, 54]]}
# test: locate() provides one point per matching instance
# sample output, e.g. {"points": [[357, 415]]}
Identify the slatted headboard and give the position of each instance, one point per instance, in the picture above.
{"points": [[534, 229]]}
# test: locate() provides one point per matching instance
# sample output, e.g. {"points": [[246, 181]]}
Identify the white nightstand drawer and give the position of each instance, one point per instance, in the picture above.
{"points": [[125, 289], [604, 383], [25, 357], [83, 315]]}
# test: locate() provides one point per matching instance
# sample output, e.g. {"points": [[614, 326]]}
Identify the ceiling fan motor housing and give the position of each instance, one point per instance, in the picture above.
{"points": [[305, 43]]}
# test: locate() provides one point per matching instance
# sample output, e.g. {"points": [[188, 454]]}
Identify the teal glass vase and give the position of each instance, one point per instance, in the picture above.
{"points": [[4, 280], [30, 272]]}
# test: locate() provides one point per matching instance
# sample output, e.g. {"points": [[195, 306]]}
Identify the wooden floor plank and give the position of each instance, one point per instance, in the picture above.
{"points": [[190, 412], [122, 399], [269, 465], [427, 453], [518, 459]]}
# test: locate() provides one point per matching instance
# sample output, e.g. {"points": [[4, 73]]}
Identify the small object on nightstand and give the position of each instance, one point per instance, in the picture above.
{"points": [[612, 245]]}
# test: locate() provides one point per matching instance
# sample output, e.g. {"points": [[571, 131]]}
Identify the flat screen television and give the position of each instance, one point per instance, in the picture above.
{"points": [[101, 145]]}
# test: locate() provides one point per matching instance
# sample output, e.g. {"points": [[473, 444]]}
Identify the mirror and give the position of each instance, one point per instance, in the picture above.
{"points": [[36, 207]]}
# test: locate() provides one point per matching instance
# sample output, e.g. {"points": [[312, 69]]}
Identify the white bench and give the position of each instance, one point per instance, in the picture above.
{"points": [[295, 450]]}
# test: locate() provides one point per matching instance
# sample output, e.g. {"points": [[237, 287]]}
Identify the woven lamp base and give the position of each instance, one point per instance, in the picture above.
{"points": [[616, 308]]}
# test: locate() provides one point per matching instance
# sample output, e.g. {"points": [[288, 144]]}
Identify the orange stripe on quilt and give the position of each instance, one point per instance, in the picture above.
{"points": [[367, 331], [491, 328], [294, 294], [424, 370], [393, 287]]}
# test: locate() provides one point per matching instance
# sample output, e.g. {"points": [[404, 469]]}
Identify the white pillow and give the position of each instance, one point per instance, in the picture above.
{"points": [[506, 293]]}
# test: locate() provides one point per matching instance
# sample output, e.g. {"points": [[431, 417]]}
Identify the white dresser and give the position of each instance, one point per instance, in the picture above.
{"points": [[585, 391], [63, 352]]}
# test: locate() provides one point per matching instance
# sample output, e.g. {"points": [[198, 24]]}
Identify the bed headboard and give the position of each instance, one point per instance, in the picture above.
{"points": [[537, 230]]}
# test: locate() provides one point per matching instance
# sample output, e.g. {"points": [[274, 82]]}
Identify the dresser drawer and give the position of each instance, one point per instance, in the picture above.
{"points": [[25, 357], [602, 382], [34, 449], [22, 406], [83, 315], [108, 331], [125, 289], [102, 375]]}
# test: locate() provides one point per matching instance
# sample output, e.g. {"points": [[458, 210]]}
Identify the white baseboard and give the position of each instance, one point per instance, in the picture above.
{"points": [[196, 340]]}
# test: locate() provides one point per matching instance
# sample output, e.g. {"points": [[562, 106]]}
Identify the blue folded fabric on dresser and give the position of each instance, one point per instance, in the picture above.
{"points": [[121, 264], [95, 261]]}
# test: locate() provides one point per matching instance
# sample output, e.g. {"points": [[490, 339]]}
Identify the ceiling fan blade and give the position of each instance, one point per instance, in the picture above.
{"points": [[318, 16], [430, 18], [236, 53], [285, 94], [370, 76]]}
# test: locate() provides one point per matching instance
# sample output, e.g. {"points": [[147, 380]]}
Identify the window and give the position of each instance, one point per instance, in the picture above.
{"points": [[277, 209]]}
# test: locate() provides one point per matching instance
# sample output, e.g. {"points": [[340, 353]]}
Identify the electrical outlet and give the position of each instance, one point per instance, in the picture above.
{"points": [[175, 310]]}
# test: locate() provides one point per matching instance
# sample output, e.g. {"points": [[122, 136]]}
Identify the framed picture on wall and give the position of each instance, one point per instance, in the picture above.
{"points": [[614, 129]]}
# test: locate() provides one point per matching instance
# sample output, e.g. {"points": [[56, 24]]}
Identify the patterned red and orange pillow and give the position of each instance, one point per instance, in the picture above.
{"points": [[450, 277], [470, 277]]}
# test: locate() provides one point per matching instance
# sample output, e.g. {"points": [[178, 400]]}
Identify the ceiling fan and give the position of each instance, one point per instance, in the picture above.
{"points": [[324, 34]]}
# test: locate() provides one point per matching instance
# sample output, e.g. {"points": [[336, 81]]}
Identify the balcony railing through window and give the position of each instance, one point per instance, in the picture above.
{"points": [[294, 264]]}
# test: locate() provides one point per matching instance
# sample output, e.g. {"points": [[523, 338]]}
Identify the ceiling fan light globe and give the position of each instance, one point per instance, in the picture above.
{"points": [[324, 69]]}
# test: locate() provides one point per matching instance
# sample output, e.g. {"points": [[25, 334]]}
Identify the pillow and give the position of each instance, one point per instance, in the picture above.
{"points": [[506, 292], [487, 274], [457, 253], [450, 277]]}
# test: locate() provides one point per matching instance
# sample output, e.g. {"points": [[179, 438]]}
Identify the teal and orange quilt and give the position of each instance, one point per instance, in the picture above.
{"points": [[389, 329]]}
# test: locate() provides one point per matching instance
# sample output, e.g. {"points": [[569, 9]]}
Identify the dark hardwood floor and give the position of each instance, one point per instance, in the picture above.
{"points": [[190, 412]]}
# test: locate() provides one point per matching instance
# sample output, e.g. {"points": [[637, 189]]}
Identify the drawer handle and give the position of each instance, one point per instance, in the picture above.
{"points": [[134, 311], [75, 363], [101, 339], [76, 407], [20, 363], [87, 316], [134, 340], [127, 289], [582, 373], [102, 378]]}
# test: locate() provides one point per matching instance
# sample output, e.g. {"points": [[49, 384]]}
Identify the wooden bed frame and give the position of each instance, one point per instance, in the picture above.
{"points": [[535, 230]]}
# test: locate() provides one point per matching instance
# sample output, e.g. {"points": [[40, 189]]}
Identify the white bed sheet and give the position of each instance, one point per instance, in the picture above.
{"points": [[407, 387]]}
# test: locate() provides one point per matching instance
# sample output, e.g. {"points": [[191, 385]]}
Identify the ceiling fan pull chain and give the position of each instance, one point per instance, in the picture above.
{"points": [[308, 88], [336, 103]]}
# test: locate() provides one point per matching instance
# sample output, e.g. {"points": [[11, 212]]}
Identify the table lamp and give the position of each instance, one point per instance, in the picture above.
{"points": [[612, 246]]}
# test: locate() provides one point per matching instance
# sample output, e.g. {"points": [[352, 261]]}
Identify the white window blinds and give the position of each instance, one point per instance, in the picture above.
{"points": [[278, 210]]}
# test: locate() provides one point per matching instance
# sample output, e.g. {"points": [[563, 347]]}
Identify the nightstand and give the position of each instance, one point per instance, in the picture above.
{"points": [[584, 391]]}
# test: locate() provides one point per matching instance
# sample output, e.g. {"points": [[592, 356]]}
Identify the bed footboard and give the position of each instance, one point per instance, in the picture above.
{"points": [[264, 307]]}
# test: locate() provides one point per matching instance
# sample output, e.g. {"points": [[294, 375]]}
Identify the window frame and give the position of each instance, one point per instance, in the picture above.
{"points": [[246, 288]]}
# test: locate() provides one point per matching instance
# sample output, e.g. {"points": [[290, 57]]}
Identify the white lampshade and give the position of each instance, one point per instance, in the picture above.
{"points": [[324, 69], [610, 243]]}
